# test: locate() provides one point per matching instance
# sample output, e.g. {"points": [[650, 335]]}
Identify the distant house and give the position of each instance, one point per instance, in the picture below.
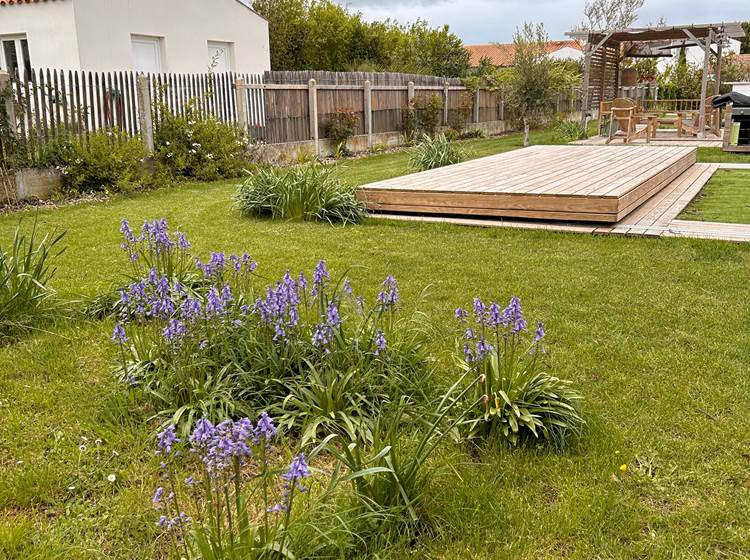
{"points": [[184, 36], [502, 54]]}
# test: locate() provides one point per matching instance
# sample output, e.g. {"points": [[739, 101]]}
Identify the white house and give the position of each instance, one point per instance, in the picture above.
{"points": [[184, 36]]}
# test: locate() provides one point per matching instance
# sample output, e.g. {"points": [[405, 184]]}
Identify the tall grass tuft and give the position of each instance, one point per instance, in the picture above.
{"points": [[431, 153], [26, 267], [307, 192]]}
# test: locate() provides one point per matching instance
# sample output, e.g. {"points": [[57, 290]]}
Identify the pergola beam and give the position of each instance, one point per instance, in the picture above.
{"points": [[587, 77]]}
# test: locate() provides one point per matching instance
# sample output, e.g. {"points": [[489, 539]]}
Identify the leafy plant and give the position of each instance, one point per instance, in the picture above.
{"points": [[26, 268], [197, 146], [339, 128], [409, 123], [569, 131], [109, 161], [519, 400], [435, 152], [307, 192]]}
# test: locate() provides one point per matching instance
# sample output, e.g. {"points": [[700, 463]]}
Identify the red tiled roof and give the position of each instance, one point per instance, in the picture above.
{"points": [[11, 2], [502, 54]]}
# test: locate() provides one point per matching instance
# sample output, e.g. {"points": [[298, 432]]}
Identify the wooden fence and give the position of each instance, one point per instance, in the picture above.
{"points": [[277, 107]]}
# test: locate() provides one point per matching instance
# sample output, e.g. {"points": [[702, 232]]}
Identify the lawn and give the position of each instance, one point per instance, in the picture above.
{"points": [[652, 331], [725, 198]]}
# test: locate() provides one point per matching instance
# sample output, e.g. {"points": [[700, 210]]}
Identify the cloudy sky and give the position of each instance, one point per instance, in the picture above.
{"points": [[487, 21]]}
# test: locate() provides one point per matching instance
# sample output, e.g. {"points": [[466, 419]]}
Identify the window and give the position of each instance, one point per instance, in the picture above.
{"points": [[14, 55], [220, 56], [147, 54]]}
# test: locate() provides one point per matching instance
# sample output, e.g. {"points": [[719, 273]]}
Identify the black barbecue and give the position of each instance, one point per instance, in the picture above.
{"points": [[738, 118]]}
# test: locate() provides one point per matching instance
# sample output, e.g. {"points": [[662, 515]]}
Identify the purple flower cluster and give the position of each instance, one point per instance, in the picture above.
{"points": [[154, 238], [151, 298], [219, 445], [219, 264], [320, 277], [388, 296], [297, 471], [492, 319], [280, 308]]}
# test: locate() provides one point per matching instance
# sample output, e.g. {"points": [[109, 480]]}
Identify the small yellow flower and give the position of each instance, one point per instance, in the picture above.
{"points": [[623, 467]]}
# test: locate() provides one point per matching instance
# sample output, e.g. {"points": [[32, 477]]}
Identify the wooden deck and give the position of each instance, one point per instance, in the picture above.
{"points": [[657, 217], [664, 137], [569, 183]]}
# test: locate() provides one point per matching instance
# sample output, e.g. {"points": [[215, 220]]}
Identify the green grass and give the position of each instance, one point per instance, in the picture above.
{"points": [[652, 331], [725, 198]]}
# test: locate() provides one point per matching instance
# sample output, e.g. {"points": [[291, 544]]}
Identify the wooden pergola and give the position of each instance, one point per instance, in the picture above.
{"points": [[605, 49]]}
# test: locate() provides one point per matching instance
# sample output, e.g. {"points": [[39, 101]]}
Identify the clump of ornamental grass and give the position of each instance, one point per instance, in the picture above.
{"points": [[26, 267], [519, 400], [308, 192], [433, 152], [237, 501], [310, 349]]}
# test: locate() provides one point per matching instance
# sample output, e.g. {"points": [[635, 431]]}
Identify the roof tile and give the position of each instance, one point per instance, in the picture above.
{"points": [[502, 54]]}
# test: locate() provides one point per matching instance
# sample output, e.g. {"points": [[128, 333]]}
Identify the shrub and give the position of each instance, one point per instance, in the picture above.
{"points": [[306, 192], [409, 123], [519, 400], [429, 113], [108, 161], [473, 134], [431, 153], [339, 128], [196, 146], [211, 348], [569, 131], [26, 268]]}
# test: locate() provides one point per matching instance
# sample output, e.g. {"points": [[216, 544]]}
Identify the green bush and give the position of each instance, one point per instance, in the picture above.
{"points": [[194, 146], [26, 267], [435, 152], [305, 192], [108, 161], [340, 128], [429, 113], [409, 123]]}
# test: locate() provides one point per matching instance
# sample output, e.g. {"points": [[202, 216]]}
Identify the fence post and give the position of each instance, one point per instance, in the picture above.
{"points": [[502, 109], [368, 112], [312, 96], [240, 92], [446, 91], [145, 118], [409, 92], [10, 106], [476, 106]]}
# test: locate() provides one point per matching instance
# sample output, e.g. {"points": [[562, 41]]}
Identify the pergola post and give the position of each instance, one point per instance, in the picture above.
{"points": [[717, 81], [585, 87], [704, 85]]}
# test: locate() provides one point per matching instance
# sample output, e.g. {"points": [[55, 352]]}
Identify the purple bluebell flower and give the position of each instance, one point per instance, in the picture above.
{"points": [[298, 469], [202, 433], [483, 349], [333, 315], [539, 333], [461, 314], [166, 439], [175, 331], [379, 342], [302, 282], [191, 481], [182, 241], [127, 233], [347, 287], [191, 309], [158, 496], [265, 428], [320, 276], [119, 336], [513, 316], [156, 234], [322, 335], [495, 315], [388, 296]]}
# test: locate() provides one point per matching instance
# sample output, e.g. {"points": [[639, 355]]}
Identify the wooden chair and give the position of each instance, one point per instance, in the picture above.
{"points": [[689, 121], [626, 115], [605, 115]]}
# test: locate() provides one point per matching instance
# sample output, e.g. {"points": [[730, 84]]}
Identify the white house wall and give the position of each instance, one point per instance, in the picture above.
{"points": [[105, 28], [567, 53], [50, 30]]}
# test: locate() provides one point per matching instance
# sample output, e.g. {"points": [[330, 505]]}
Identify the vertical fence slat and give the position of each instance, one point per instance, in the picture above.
{"points": [[29, 116]]}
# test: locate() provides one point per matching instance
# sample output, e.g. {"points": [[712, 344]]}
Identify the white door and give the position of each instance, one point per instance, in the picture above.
{"points": [[219, 57], [146, 54]]}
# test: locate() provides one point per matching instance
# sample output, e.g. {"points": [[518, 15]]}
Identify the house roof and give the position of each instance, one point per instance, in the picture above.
{"points": [[502, 54]]}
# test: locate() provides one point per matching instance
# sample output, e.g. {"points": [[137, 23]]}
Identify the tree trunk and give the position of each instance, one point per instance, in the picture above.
{"points": [[525, 132]]}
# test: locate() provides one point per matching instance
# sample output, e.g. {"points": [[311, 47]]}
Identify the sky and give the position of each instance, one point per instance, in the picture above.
{"points": [[493, 21]]}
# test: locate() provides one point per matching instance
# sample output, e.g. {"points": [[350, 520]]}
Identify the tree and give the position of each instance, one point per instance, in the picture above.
{"points": [[602, 15], [535, 77], [745, 41], [323, 35]]}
